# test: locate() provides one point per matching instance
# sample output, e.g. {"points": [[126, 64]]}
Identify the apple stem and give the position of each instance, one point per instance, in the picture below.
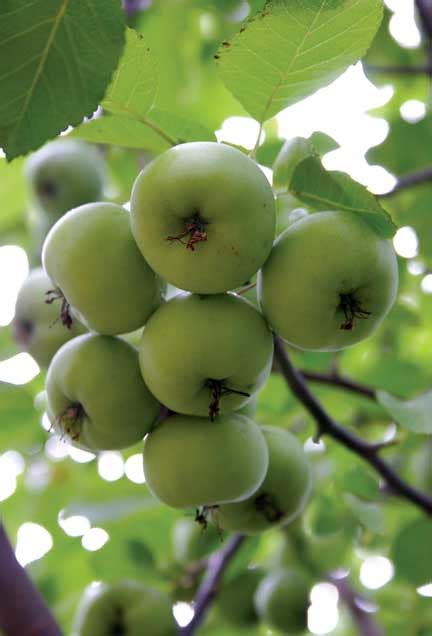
{"points": [[352, 309], [267, 505], [217, 392], [70, 420], [194, 229], [65, 315]]}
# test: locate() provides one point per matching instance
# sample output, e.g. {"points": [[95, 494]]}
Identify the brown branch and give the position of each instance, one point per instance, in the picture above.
{"points": [[340, 381], [410, 180], [327, 426], [366, 626], [22, 609], [217, 564]]}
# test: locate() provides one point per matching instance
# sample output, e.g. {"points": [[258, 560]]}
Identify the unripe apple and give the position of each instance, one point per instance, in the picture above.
{"points": [[126, 608], [203, 354], [281, 496], [192, 461], [282, 601], [36, 326], [63, 175], [92, 258], [96, 395], [235, 602], [203, 215], [329, 282]]}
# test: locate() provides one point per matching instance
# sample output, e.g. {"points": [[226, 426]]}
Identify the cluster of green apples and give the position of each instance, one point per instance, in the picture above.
{"points": [[202, 219]]}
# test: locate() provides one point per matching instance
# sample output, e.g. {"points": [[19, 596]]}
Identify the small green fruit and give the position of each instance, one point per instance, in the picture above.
{"points": [[203, 354], [329, 282], [282, 601], [36, 326], [192, 461], [235, 601], [126, 608], [203, 216], [96, 395], [281, 496], [92, 258], [63, 175]]}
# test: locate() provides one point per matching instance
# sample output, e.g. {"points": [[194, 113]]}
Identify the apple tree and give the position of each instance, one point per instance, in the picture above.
{"points": [[215, 377]]}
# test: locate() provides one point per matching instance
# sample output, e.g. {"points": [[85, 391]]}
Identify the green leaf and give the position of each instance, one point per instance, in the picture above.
{"points": [[134, 85], [412, 554], [324, 190], [369, 514], [292, 48], [415, 415], [360, 482], [118, 130], [56, 59]]}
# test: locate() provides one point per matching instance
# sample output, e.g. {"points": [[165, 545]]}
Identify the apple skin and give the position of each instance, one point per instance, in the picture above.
{"points": [[191, 541], [36, 326], [192, 461], [286, 488], [63, 175], [100, 373], [233, 199], [235, 602], [91, 256], [314, 262], [127, 607], [193, 339], [282, 600]]}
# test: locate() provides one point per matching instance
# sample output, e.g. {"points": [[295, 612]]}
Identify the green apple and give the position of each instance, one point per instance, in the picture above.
{"points": [[191, 541], [203, 215], [36, 326], [126, 608], [329, 282], [96, 395], [235, 602], [282, 601], [192, 461], [281, 496], [203, 354], [63, 175], [92, 258]]}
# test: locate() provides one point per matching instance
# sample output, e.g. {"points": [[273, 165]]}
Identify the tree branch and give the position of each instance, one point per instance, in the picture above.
{"points": [[326, 425], [410, 180], [217, 564], [340, 381], [364, 622], [400, 69], [22, 609]]}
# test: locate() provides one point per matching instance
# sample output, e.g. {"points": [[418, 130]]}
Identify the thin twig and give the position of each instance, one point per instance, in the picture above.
{"points": [[340, 381], [22, 609], [326, 425], [410, 180], [400, 69], [217, 564], [245, 289], [366, 626]]}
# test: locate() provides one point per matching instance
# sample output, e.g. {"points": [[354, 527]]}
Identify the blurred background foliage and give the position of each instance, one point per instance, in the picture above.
{"points": [[94, 517]]}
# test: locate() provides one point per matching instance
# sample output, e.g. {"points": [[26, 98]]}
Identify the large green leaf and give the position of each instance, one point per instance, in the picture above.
{"points": [[324, 190], [292, 48], [133, 89], [415, 415], [411, 552], [56, 59]]}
